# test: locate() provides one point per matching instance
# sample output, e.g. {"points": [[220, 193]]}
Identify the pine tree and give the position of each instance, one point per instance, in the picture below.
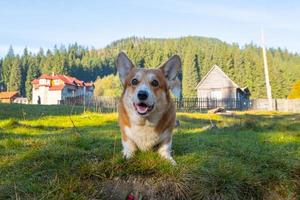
{"points": [[10, 52], [141, 63], [191, 75], [32, 73], [24, 68], [7, 67], [14, 83], [1, 80]]}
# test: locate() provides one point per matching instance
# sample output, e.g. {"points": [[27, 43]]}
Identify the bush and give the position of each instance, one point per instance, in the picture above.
{"points": [[295, 92], [109, 86]]}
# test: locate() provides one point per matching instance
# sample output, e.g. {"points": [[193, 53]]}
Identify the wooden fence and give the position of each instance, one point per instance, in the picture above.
{"points": [[110, 104]]}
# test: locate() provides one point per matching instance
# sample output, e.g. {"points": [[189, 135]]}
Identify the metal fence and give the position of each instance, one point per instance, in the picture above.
{"points": [[110, 104]]}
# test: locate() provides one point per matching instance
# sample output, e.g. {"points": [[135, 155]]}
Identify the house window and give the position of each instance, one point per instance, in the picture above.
{"points": [[42, 81], [216, 94], [56, 82], [70, 91]]}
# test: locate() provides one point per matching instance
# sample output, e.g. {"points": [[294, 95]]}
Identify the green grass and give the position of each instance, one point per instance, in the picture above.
{"points": [[58, 152]]}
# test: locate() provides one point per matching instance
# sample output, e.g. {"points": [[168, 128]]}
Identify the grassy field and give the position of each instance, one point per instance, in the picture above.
{"points": [[56, 152]]}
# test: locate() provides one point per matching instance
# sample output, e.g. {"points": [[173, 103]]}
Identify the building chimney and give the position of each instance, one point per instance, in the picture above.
{"points": [[52, 74]]}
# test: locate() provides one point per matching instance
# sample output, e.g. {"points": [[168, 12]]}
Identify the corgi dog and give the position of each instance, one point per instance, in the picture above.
{"points": [[147, 113]]}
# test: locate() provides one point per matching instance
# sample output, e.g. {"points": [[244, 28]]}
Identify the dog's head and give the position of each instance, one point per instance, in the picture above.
{"points": [[147, 90]]}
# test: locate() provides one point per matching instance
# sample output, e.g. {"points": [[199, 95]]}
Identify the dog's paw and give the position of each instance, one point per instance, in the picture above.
{"points": [[169, 158], [172, 161], [127, 154]]}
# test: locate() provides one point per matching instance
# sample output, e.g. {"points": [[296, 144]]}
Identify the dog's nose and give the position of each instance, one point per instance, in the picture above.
{"points": [[142, 95]]}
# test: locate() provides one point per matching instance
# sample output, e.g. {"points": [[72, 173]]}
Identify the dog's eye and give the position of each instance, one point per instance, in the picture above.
{"points": [[154, 83], [134, 81]]}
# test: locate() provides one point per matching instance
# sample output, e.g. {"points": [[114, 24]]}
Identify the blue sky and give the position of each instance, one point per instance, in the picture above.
{"points": [[44, 23]]}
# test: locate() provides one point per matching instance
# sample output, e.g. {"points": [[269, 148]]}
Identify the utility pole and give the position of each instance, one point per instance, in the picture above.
{"points": [[268, 86], [84, 92]]}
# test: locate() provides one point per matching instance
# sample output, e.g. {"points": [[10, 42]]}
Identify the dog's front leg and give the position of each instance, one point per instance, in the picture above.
{"points": [[165, 150], [129, 148]]}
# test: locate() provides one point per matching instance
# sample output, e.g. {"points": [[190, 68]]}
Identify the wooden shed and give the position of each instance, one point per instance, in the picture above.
{"points": [[8, 97], [217, 85]]}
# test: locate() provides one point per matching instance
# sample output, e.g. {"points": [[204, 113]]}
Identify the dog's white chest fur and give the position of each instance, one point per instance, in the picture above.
{"points": [[144, 137]]}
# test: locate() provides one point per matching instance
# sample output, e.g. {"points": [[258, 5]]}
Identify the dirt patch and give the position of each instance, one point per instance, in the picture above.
{"points": [[145, 189]]}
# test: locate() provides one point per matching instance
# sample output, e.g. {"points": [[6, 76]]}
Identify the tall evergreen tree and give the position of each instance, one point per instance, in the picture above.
{"points": [[10, 52], [15, 78], [7, 67], [24, 68], [32, 73], [1, 80], [191, 75]]}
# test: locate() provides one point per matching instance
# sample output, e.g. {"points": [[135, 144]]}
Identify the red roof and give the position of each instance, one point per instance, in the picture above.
{"points": [[8, 95], [89, 84], [57, 87], [67, 80], [35, 81]]}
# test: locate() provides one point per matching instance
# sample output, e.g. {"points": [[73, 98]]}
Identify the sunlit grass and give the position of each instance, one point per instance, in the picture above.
{"points": [[71, 155]]}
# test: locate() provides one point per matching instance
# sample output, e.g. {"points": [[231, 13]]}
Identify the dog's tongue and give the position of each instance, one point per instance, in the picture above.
{"points": [[141, 108]]}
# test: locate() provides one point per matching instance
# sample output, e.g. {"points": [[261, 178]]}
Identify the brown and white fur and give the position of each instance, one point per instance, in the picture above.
{"points": [[146, 111]]}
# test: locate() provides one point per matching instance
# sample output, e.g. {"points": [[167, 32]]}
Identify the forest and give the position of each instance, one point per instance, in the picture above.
{"points": [[243, 64]]}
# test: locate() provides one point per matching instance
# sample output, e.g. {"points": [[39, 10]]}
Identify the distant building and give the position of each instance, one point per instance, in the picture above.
{"points": [[217, 85], [53, 89], [8, 97], [21, 100]]}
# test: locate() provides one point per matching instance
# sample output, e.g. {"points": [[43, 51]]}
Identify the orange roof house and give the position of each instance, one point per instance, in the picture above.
{"points": [[8, 97], [52, 89]]}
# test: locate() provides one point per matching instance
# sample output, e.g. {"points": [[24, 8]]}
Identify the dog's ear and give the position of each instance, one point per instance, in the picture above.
{"points": [[171, 68], [175, 87], [124, 65]]}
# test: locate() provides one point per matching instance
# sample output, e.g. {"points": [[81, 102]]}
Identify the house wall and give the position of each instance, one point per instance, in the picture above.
{"points": [[225, 92], [217, 84], [69, 91], [47, 97], [21, 100], [35, 94], [44, 82], [41, 92], [5, 101], [89, 91], [54, 97], [79, 91]]}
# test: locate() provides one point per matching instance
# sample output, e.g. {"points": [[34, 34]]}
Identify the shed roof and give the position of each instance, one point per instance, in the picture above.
{"points": [[8, 95], [217, 69]]}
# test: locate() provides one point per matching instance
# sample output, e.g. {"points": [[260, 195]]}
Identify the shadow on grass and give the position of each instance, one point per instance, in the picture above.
{"points": [[55, 131], [29, 112]]}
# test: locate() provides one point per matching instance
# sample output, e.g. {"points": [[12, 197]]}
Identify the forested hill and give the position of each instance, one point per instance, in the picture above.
{"points": [[244, 65]]}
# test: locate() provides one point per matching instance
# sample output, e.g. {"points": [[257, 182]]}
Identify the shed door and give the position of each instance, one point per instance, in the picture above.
{"points": [[216, 94]]}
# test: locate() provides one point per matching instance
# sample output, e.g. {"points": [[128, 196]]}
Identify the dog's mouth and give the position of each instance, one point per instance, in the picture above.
{"points": [[143, 108]]}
